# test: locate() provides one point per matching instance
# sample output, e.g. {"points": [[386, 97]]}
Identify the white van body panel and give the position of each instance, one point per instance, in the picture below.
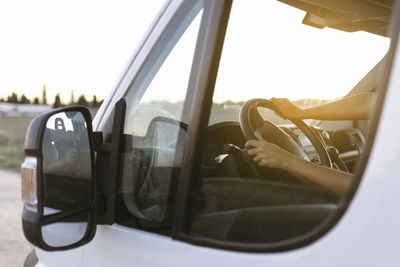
{"points": [[65, 258]]}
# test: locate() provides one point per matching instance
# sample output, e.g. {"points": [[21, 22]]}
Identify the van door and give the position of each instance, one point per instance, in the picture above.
{"points": [[157, 119]]}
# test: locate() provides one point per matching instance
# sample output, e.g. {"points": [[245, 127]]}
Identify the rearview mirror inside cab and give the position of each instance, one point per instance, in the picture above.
{"points": [[58, 188]]}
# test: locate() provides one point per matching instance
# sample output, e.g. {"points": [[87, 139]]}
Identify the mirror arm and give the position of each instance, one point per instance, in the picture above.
{"points": [[108, 165], [103, 149], [101, 202], [99, 145]]}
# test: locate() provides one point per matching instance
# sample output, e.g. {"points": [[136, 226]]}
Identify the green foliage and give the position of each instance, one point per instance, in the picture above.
{"points": [[72, 99], [44, 95], [3, 137], [94, 101], [57, 101], [11, 151], [24, 100], [82, 101], [13, 98]]}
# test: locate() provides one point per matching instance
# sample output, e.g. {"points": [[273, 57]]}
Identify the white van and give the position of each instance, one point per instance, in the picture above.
{"points": [[162, 176]]}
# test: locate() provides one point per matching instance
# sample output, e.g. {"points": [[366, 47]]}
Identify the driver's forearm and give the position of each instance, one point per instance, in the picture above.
{"points": [[355, 107], [330, 179]]}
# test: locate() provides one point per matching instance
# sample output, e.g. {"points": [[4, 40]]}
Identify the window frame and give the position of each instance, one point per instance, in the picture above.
{"points": [[170, 36], [203, 78]]}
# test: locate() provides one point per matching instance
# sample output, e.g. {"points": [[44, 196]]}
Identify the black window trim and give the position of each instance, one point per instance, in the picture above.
{"points": [[212, 34], [203, 77], [170, 36]]}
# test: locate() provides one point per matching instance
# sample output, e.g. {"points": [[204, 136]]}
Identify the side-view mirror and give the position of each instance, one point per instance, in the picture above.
{"points": [[58, 185]]}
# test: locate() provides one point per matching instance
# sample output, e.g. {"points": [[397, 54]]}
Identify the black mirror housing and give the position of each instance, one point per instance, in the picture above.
{"points": [[58, 180]]}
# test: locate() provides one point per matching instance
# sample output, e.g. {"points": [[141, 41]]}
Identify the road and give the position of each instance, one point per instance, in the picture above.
{"points": [[13, 246]]}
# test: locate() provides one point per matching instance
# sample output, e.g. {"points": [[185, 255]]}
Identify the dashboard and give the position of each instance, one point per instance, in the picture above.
{"points": [[347, 142]]}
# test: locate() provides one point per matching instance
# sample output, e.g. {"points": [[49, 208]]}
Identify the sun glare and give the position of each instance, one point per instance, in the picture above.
{"points": [[268, 52]]}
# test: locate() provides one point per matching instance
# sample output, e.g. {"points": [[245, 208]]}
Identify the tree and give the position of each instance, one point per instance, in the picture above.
{"points": [[82, 101], [94, 102], [1, 99], [36, 101], [72, 99], [57, 101], [44, 95], [24, 100], [13, 98]]}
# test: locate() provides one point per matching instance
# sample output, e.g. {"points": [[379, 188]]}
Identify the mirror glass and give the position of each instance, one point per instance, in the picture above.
{"points": [[67, 232], [67, 175]]}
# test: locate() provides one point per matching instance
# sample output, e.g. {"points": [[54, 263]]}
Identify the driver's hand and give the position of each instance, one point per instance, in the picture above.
{"points": [[286, 109], [267, 154]]}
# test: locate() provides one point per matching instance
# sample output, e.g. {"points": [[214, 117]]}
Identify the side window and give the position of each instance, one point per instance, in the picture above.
{"points": [[265, 179], [155, 128]]}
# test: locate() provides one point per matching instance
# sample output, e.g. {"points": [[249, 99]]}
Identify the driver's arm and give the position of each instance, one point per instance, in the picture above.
{"points": [[270, 155], [356, 107]]}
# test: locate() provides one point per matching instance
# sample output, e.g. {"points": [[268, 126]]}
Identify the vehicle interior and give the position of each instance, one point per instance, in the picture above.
{"points": [[237, 200], [233, 199], [234, 191]]}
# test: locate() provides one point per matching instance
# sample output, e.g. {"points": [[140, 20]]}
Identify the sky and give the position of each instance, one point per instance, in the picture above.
{"points": [[69, 45], [84, 46], [268, 52]]}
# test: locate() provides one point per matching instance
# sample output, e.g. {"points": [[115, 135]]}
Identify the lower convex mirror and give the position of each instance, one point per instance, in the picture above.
{"points": [[63, 215], [66, 232]]}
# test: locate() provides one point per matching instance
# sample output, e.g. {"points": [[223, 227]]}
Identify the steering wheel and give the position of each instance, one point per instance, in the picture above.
{"points": [[251, 122]]}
